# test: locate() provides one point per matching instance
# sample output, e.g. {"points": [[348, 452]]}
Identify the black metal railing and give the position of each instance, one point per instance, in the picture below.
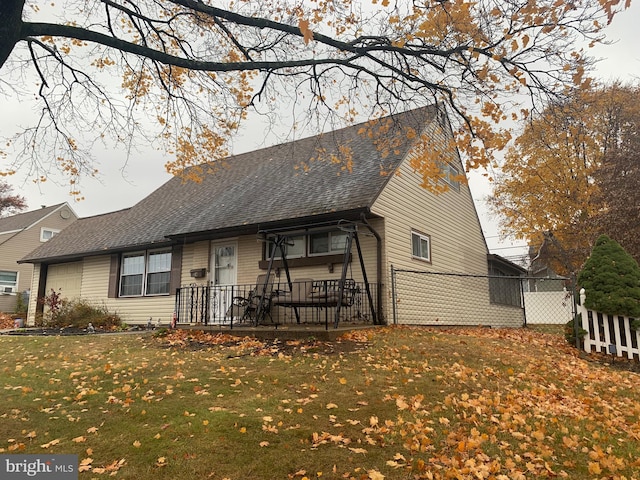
{"points": [[327, 302]]}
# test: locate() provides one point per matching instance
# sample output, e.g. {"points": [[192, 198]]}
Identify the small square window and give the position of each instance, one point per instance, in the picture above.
{"points": [[421, 246], [47, 234]]}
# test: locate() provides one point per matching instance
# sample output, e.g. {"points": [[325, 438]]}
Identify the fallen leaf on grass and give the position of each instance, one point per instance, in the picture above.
{"points": [[51, 443], [85, 465], [375, 475]]}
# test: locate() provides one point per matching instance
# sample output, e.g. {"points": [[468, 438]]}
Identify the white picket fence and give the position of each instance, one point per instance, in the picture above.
{"points": [[610, 334]]}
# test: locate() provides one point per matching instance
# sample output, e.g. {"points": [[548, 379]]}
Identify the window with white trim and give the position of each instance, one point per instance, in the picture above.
{"points": [[145, 273], [47, 234], [8, 282], [420, 246]]}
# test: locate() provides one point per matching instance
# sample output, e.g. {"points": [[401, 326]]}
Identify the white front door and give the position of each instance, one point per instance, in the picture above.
{"points": [[224, 262]]}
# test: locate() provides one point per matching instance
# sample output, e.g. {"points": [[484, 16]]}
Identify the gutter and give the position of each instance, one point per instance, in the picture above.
{"points": [[363, 218]]}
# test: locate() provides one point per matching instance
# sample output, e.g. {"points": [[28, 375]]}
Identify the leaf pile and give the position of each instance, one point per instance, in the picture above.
{"points": [[6, 321]]}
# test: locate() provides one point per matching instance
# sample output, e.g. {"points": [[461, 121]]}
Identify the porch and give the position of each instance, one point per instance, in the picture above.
{"points": [[303, 303]]}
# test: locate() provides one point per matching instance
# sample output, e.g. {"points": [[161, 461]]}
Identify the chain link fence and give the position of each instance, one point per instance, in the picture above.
{"points": [[448, 299]]}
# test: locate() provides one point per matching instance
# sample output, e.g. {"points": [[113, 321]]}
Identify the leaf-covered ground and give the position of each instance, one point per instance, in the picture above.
{"points": [[396, 403]]}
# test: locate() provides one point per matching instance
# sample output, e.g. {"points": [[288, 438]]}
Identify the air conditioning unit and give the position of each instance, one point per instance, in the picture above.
{"points": [[8, 290]]}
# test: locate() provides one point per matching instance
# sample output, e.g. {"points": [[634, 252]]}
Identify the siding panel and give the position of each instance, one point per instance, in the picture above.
{"points": [[450, 219], [95, 285]]}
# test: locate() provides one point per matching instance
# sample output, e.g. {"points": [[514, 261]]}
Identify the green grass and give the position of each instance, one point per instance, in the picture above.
{"points": [[400, 402]]}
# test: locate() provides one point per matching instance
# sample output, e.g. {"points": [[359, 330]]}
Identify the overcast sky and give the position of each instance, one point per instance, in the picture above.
{"points": [[121, 186]]}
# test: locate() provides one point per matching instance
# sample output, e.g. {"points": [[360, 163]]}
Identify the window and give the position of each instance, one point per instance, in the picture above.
{"points": [[451, 176], [47, 234], [8, 282], [313, 244], [421, 246], [294, 247], [327, 242], [145, 273]]}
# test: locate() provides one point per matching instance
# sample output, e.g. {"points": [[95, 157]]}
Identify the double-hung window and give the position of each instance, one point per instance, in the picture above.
{"points": [[421, 246], [145, 273], [8, 282]]}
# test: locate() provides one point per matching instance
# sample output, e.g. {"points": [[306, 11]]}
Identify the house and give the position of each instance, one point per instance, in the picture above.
{"points": [[190, 240], [19, 235]]}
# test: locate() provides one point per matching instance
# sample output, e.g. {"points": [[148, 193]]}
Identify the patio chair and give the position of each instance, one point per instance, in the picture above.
{"points": [[255, 307]]}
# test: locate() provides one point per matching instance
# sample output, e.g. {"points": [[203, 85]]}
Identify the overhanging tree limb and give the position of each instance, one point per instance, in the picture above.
{"points": [[192, 66]]}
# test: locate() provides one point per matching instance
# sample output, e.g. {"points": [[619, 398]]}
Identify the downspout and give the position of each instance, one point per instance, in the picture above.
{"points": [[378, 268]]}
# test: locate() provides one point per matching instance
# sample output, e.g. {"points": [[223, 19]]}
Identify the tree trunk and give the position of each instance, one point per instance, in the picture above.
{"points": [[10, 27]]}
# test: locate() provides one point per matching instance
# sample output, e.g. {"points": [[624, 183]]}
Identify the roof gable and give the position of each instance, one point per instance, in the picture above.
{"points": [[298, 179], [22, 221]]}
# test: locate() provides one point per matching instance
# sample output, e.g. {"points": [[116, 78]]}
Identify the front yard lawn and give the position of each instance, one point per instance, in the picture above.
{"points": [[396, 403]]}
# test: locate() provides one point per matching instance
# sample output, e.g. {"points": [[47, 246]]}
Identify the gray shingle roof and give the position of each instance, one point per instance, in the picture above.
{"points": [[21, 221], [261, 187]]}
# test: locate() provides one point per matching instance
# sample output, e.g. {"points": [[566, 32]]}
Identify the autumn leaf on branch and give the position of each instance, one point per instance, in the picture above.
{"points": [[190, 72]]}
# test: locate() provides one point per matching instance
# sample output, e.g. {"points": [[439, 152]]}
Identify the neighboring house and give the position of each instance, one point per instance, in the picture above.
{"points": [[543, 277], [19, 235], [213, 232]]}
